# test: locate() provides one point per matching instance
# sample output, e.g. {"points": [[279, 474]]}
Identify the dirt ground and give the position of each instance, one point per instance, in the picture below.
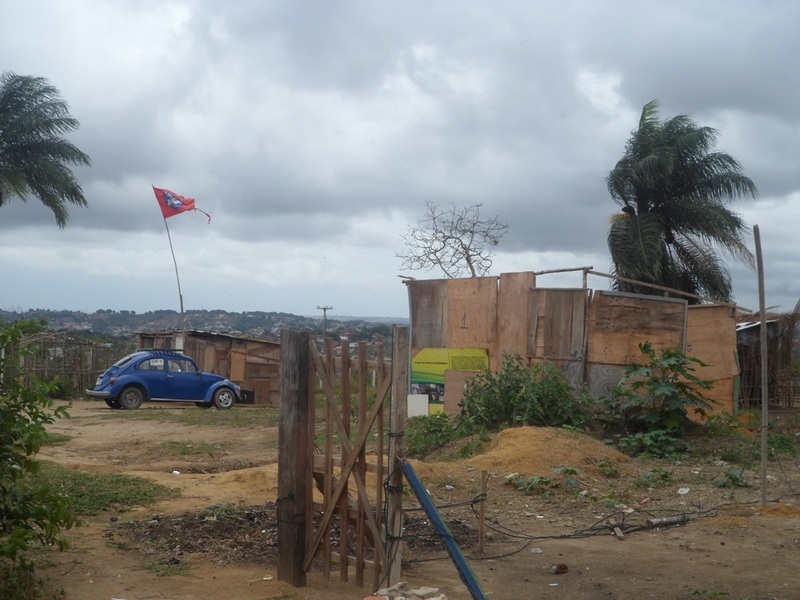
{"points": [[726, 544]]}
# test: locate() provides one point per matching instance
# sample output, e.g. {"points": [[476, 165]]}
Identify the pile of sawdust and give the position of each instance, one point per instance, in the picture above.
{"points": [[537, 451], [785, 511]]}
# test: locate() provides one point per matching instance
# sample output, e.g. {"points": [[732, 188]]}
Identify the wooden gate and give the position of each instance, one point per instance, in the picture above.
{"points": [[332, 461]]}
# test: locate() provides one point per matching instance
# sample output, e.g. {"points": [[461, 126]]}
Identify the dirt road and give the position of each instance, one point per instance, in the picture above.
{"points": [[731, 546]]}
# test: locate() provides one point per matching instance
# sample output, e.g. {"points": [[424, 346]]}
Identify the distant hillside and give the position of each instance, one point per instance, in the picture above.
{"points": [[266, 325]]}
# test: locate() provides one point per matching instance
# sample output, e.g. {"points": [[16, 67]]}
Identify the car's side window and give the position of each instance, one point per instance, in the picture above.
{"points": [[152, 364], [181, 365]]}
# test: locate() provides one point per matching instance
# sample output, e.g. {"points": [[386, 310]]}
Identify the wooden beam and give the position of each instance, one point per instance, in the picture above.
{"points": [[344, 431], [394, 491], [293, 457]]}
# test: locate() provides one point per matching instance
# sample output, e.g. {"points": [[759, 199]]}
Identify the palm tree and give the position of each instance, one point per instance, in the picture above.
{"points": [[34, 158], [673, 188]]}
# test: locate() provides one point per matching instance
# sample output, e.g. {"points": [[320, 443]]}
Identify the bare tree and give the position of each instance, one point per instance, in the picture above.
{"points": [[457, 240]]}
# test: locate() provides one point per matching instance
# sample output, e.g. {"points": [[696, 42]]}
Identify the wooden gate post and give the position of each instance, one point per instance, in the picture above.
{"points": [[394, 491], [293, 455]]}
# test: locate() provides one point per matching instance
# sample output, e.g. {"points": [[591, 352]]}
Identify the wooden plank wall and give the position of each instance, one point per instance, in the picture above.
{"points": [[428, 308], [512, 316], [557, 330], [592, 336], [711, 337], [617, 324], [253, 364], [472, 313]]}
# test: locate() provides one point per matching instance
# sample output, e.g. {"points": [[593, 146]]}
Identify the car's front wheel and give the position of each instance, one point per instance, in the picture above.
{"points": [[131, 398], [224, 398], [113, 403]]}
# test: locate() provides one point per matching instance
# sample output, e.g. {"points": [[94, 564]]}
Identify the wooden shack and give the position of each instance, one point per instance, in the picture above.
{"points": [[251, 363], [592, 336]]}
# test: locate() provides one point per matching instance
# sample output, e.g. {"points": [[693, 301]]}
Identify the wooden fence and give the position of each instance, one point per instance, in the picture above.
{"points": [[74, 362], [333, 469]]}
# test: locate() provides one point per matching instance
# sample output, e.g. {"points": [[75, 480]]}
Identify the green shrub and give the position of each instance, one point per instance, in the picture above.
{"points": [[517, 396], [781, 443], [657, 444], [608, 469], [18, 581], [654, 478], [565, 477], [62, 388], [658, 395], [31, 514], [733, 477], [651, 404], [425, 434], [722, 425]]}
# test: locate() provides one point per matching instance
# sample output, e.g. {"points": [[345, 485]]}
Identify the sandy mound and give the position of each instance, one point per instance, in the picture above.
{"points": [[535, 451], [539, 450]]}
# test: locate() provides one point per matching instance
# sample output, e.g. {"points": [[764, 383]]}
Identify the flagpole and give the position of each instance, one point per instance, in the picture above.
{"points": [[177, 277]]}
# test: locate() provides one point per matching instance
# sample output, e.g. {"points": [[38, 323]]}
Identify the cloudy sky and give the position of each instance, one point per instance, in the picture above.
{"points": [[314, 133]]}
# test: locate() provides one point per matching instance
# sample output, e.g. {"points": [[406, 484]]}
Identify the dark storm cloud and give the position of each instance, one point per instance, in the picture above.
{"points": [[313, 132]]}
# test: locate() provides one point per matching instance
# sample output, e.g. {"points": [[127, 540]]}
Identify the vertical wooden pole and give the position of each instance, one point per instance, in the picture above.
{"points": [[293, 456], [379, 475], [344, 505], [482, 511], [311, 422], [330, 371], [764, 367], [361, 462], [394, 491]]}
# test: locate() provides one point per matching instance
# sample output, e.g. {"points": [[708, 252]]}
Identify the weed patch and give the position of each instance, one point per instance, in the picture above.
{"points": [[91, 493]]}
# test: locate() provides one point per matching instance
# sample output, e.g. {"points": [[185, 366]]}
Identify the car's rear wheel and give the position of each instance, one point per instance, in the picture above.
{"points": [[224, 398], [113, 403], [131, 398], [203, 404]]}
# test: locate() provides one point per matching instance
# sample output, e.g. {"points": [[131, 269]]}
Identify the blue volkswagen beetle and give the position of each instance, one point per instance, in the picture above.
{"points": [[162, 375]]}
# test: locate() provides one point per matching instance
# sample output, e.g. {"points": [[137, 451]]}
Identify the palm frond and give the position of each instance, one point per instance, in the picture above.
{"points": [[671, 171], [636, 246], [34, 157]]}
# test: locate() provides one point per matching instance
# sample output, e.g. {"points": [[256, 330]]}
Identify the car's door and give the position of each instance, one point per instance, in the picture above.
{"points": [[152, 374], [184, 381]]}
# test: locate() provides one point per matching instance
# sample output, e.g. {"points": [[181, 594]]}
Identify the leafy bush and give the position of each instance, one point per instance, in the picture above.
{"points": [[425, 434], [18, 580], [608, 469], [654, 478], [732, 478], [31, 514], [651, 404], [657, 395], [566, 477], [61, 388], [657, 444], [781, 443], [517, 396]]}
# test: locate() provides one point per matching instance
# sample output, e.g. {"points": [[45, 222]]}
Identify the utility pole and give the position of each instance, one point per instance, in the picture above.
{"points": [[324, 310]]}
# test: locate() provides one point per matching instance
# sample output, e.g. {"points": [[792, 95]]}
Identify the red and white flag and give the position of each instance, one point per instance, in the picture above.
{"points": [[174, 204]]}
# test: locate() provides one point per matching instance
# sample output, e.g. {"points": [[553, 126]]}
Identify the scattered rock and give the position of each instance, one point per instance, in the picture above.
{"points": [[399, 591]]}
